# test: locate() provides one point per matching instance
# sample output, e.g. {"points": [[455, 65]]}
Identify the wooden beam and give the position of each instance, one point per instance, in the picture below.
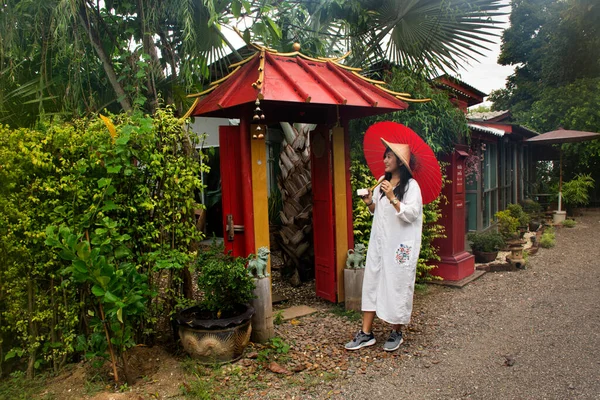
{"points": [[340, 206]]}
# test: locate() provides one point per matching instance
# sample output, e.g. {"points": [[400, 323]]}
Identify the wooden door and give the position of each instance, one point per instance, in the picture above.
{"points": [[323, 223], [231, 190]]}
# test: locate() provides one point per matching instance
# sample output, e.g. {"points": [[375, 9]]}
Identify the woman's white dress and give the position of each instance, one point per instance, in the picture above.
{"points": [[392, 256]]}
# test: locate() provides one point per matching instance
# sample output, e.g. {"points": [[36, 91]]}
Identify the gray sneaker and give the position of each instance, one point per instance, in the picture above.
{"points": [[394, 341], [361, 340]]}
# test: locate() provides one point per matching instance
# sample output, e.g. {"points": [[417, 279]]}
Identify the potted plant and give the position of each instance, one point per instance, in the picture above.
{"points": [[218, 328], [508, 225], [534, 210], [575, 192], [522, 217], [485, 245]]}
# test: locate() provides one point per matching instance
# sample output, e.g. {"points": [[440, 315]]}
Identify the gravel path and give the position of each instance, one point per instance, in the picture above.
{"points": [[532, 334], [529, 334]]}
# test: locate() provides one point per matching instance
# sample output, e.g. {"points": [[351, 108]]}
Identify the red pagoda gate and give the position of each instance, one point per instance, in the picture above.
{"points": [[294, 88]]}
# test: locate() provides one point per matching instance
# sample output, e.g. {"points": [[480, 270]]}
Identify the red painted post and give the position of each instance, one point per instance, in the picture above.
{"points": [[455, 263]]}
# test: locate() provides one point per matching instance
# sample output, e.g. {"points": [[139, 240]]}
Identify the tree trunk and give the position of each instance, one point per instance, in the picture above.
{"points": [[296, 193], [33, 331], [106, 62]]}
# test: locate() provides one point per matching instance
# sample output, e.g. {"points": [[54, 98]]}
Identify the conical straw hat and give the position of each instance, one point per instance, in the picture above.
{"points": [[401, 150]]}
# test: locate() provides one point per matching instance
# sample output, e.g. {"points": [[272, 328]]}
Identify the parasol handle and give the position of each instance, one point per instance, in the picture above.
{"points": [[378, 182]]}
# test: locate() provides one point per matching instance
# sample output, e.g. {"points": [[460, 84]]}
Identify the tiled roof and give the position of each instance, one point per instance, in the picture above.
{"points": [[485, 116], [486, 129], [277, 80]]}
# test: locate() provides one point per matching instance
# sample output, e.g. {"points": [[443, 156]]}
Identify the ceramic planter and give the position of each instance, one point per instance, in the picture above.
{"points": [[485, 256], [213, 341]]}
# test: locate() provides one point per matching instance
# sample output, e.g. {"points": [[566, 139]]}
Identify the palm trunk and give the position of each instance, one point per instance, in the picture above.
{"points": [[296, 194]]}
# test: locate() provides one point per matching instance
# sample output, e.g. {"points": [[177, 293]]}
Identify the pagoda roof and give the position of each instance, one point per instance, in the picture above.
{"points": [[296, 88]]}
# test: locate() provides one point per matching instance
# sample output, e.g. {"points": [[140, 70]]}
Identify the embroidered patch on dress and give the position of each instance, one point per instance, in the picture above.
{"points": [[403, 254]]}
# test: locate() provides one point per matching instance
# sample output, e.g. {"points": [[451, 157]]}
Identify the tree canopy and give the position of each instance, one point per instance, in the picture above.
{"points": [[75, 57], [555, 48], [551, 44]]}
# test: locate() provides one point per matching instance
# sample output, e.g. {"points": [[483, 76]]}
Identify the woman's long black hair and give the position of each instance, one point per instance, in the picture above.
{"points": [[405, 176]]}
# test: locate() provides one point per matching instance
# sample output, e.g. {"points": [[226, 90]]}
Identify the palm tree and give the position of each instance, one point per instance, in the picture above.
{"points": [[437, 35]]}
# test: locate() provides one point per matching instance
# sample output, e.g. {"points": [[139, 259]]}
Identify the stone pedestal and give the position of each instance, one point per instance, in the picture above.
{"points": [[353, 281], [262, 321]]}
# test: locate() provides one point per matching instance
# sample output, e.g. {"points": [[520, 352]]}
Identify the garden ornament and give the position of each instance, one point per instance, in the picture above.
{"points": [[356, 257], [258, 263]]}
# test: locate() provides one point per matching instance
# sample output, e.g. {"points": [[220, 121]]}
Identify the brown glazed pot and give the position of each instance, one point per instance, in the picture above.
{"points": [[214, 341], [485, 256]]}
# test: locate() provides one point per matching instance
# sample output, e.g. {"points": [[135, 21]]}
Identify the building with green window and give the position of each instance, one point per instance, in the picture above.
{"points": [[499, 167]]}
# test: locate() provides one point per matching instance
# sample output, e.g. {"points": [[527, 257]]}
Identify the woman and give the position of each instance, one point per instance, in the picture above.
{"points": [[394, 248]]}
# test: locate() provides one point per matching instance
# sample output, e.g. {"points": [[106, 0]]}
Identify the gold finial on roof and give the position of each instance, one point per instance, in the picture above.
{"points": [[296, 46]]}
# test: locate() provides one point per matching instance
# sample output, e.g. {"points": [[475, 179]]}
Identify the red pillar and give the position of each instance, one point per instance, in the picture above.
{"points": [[455, 263]]}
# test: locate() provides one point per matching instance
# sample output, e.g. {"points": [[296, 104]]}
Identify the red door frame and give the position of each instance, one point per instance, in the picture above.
{"points": [[231, 189], [323, 223]]}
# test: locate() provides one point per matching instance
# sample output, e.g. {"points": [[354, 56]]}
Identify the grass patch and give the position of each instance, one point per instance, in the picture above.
{"points": [[211, 381], [17, 387], [422, 287], [276, 349], [278, 317], [548, 239], [340, 310], [569, 223]]}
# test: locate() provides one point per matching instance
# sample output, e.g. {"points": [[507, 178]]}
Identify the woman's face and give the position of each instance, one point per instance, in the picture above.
{"points": [[390, 161]]}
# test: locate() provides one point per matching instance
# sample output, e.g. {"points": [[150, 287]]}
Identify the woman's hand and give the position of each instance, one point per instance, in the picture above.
{"points": [[388, 189], [368, 199]]}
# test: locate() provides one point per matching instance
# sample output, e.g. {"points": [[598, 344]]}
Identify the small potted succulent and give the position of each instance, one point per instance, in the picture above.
{"points": [[218, 328], [534, 210], [485, 245]]}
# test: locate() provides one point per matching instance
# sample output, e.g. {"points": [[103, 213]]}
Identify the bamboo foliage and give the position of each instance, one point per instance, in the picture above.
{"points": [[296, 192]]}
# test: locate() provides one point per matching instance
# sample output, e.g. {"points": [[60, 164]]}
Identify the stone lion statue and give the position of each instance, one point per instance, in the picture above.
{"points": [[258, 263], [356, 257]]}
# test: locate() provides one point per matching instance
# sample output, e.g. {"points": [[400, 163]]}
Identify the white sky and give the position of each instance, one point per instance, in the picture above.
{"points": [[486, 75]]}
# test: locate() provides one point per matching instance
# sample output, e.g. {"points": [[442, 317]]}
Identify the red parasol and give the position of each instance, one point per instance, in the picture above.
{"points": [[425, 170]]}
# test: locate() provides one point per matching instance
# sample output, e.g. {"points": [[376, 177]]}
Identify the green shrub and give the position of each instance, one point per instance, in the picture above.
{"points": [[569, 223], [575, 191], [486, 242], [507, 224], [531, 207], [90, 211], [548, 240], [517, 212], [225, 284]]}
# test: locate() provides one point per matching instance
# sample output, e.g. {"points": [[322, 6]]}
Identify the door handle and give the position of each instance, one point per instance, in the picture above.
{"points": [[231, 228]]}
